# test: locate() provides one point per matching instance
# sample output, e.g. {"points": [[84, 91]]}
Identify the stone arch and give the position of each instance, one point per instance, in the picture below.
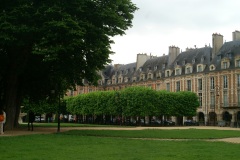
{"points": [[227, 117], [201, 118], [238, 118], [212, 119]]}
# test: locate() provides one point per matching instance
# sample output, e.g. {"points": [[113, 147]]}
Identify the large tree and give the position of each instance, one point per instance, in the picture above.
{"points": [[49, 44]]}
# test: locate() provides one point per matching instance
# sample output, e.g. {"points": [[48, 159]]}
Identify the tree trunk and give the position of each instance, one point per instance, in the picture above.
{"points": [[11, 101]]}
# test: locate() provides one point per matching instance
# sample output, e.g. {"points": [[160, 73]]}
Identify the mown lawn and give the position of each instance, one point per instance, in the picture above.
{"points": [[118, 145]]}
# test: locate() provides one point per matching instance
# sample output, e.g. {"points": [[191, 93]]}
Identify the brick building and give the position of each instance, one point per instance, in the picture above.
{"points": [[213, 73]]}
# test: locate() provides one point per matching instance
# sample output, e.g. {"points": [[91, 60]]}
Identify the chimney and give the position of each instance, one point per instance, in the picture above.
{"points": [[236, 35], [141, 59], [217, 42], [172, 54]]}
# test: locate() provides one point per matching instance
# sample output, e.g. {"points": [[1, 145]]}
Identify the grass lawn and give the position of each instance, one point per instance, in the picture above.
{"points": [[118, 145]]}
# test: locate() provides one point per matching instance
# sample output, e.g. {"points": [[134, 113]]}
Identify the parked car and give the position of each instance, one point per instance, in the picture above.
{"points": [[168, 123], [191, 123], [37, 119], [155, 122]]}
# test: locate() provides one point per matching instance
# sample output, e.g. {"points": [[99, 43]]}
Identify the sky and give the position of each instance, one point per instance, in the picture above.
{"points": [[158, 24]]}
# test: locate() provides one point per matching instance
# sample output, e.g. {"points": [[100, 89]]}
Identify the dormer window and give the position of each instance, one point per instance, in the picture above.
{"points": [[155, 67], [212, 68], [199, 68], [225, 63], [150, 76], [149, 68], [163, 66], [188, 70], [167, 73], [126, 79], [142, 77], [119, 80], [109, 82], [237, 62], [202, 59], [177, 71], [140, 69]]}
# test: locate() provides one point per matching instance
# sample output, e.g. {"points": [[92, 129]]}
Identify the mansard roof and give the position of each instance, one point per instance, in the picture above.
{"points": [[157, 61], [125, 70], [228, 50], [193, 57], [107, 72]]}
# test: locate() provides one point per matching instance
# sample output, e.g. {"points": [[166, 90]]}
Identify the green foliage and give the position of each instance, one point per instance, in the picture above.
{"points": [[46, 45], [134, 101]]}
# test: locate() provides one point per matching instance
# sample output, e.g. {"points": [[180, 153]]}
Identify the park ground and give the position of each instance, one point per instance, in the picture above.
{"points": [[51, 130]]}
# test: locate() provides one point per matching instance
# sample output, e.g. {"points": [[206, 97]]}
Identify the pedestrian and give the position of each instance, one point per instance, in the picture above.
{"points": [[2, 121], [31, 118]]}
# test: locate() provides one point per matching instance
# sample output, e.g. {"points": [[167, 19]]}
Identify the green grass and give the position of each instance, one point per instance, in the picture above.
{"points": [[118, 145], [158, 133]]}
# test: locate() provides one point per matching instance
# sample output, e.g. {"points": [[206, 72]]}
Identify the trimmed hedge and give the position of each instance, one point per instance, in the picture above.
{"points": [[134, 101]]}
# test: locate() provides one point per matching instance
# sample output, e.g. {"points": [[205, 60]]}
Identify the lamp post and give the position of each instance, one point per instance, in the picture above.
{"points": [[216, 95], [58, 110], [59, 102]]}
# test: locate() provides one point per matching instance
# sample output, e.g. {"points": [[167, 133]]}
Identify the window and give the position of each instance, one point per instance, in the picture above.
{"points": [[189, 85], [225, 82], [177, 72], [224, 65], [212, 68], [238, 92], [158, 87], [140, 69], [225, 99], [237, 63], [119, 80], [167, 73], [113, 81], [200, 99], [188, 70], [212, 100], [163, 66], [125, 79], [212, 83], [168, 86], [149, 76], [199, 68], [155, 67], [178, 86], [199, 84], [238, 80]]}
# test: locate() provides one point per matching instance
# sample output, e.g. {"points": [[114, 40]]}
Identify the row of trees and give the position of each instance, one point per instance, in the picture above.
{"points": [[134, 101]]}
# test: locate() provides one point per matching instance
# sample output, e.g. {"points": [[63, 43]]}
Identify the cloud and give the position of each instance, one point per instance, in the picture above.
{"points": [[184, 23]]}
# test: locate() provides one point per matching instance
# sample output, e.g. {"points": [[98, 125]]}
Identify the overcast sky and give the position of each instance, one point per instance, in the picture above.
{"points": [[159, 24]]}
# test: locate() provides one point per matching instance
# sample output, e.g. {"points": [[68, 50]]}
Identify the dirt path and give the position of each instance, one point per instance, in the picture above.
{"points": [[50, 130]]}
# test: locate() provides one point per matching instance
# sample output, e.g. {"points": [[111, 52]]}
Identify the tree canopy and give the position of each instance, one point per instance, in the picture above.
{"points": [[134, 101], [49, 44]]}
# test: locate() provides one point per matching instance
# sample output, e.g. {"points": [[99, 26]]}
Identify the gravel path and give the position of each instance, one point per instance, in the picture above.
{"points": [[47, 130]]}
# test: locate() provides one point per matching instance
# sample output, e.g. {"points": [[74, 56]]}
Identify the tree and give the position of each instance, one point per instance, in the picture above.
{"points": [[51, 44]]}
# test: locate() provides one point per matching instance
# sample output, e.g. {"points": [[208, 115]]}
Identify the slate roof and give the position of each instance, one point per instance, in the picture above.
{"points": [[158, 65], [228, 50]]}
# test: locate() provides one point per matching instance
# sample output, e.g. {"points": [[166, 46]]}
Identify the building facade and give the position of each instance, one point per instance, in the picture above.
{"points": [[213, 73]]}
